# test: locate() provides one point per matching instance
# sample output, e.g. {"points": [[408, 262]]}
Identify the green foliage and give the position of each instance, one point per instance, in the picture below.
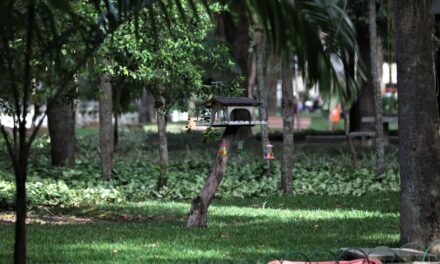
{"points": [[316, 171], [164, 54]]}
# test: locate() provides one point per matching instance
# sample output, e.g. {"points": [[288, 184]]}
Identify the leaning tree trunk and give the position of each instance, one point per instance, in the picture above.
{"points": [[288, 125], [105, 127], [419, 148], [380, 163], [163, 143], [198, 216], [62, 133]]}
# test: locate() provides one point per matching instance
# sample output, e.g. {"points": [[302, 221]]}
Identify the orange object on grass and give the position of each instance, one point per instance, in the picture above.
{"points": [[354, 261], [335, 115]]}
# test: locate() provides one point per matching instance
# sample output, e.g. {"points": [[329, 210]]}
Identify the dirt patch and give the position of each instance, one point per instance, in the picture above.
{"points": [[51, 219], [9, 218]]}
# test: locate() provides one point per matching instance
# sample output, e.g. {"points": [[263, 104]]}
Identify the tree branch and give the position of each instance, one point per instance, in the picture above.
{"points": [[8, 145]]}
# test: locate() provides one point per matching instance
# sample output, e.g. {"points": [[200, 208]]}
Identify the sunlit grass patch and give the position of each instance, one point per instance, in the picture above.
{"points": [[239, 229]]}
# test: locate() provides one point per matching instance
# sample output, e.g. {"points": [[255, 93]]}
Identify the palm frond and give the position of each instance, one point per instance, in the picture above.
{"points": [[314, 31]]}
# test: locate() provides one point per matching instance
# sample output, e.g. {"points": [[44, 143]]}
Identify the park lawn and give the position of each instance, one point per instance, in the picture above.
{"points": [[244, 230]]}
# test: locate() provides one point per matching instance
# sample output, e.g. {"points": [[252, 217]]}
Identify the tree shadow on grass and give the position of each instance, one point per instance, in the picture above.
{"points": [[228, 237]]}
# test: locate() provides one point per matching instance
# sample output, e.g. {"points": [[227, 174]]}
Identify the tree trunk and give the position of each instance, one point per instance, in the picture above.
{"points": [[380, 163], [261, 81], [116, 131], [62, 133], [198, 216], [272, 83], [252, 75], [353, 153], [163, 144], [288, 124], [20, 204], [146, 108], [364, 106], [105, 127], [437, 60], [419, 148], [234, 29]]}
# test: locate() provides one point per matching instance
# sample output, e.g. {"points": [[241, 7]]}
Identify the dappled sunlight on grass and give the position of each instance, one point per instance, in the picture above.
{"points": [[237, 230]]}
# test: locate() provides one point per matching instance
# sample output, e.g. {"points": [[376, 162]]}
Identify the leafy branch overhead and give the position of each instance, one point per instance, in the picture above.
{"points": [[165, 56], [320, 37]]}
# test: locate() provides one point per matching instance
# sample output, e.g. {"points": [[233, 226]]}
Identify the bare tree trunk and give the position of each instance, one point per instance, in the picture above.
{"points": [[62, 133], [116, 131], [198, 216], [105, 127], [261, 81], [353, 153], [234, 29], [20, 203], [419, 125], [163, 143], [288, 125], [252, 74], [380, 163], [272, 83], [364, 106], [146, 108]]}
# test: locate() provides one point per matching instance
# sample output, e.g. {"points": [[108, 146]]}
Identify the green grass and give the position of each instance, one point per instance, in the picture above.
{"points": [[249, 230]]}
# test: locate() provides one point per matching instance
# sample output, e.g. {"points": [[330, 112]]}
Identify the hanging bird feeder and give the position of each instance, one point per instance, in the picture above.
{"points": [[269, 152], [230, 111]]}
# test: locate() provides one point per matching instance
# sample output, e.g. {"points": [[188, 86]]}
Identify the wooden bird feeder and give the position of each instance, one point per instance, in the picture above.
{"points": [[230, 111]]}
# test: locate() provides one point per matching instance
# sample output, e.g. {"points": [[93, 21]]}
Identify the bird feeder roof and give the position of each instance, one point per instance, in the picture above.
{"points": [[232, 101]]}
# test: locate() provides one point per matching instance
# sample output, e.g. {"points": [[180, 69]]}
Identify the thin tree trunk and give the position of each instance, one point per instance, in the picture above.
{"points": [[163, 144], [419, 148], [380, 163], [62, 133], [146, 108], [252, 74], [353, 153], [198, 216], [261, 81], [20, 203], [288, 125], [105, 127], [21, 163], [364, 106], [272, 83], [116, 131], [234, 29], [116, 108]]}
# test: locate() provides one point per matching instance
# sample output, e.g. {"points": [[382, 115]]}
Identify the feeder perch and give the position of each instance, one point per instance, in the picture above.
{"points": [[230, 111]]}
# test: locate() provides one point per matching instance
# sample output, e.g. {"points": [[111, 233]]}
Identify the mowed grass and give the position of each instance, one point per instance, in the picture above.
{"points": [[240, 231]]}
